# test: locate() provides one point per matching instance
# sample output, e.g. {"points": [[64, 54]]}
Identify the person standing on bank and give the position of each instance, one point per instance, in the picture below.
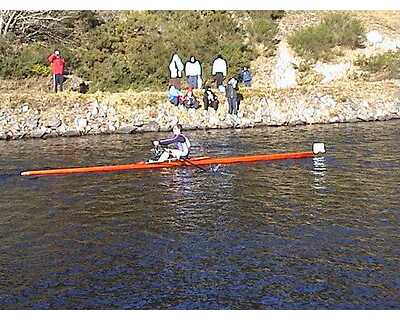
{"points": [[175, 71], [193, 73], [57, 66], [245, 75], [232, 96], [219, 71]]}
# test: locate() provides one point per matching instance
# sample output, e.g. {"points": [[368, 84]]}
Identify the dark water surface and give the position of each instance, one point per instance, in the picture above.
{"points": [[313, 233]]}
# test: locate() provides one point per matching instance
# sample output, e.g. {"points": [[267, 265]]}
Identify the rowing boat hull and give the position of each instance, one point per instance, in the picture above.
{"points": [[198, 161]]}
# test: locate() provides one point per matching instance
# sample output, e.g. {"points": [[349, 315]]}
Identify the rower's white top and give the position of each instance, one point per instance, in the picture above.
{"points": [[318, 147]]}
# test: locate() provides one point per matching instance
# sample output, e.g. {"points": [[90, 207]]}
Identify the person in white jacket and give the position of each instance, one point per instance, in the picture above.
{"points": [[193, 73], [175, 70], [219, 71]]}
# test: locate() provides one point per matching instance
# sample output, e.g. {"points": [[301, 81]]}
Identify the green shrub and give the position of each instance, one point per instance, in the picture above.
{"points": [[267, 14], [346, 31], [263, 30], [383, 66], [40, 69], [277, 14], [132, 49], [335, 30], [22, 62]]}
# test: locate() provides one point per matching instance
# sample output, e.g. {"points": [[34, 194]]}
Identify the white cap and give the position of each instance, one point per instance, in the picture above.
{"points": [[318, 147], [56, 52]]}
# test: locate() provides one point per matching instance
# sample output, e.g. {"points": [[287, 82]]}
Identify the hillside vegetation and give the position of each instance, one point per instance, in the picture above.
{"points": [[131, 50], [336, 31]]}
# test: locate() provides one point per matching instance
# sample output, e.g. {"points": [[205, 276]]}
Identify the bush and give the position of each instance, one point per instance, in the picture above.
{"points": [[382, 66], [263, 30], [335, 30], [40, 69], [132, 49], [346, 31], [26, 61]]}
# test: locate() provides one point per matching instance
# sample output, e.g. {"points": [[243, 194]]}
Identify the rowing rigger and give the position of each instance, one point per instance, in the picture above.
{"points": [[196, 161]]}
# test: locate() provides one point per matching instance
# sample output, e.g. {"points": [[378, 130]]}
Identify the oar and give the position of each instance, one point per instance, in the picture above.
{"points": [[194, 165], [188, 161]]}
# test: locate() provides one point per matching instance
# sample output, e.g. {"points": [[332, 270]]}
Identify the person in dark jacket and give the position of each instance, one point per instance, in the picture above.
{"points": [[232, 96], [57, 66], [210, 99]]}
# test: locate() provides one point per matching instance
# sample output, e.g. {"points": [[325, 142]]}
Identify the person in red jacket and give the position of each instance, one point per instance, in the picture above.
{"points": [[57, 67]]}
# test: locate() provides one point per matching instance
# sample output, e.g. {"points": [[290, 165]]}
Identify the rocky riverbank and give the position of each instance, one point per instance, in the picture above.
{"points": [[33, 115]]}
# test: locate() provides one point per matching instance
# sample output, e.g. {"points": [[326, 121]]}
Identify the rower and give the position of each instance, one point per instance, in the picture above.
{"points": [[182, 146]]}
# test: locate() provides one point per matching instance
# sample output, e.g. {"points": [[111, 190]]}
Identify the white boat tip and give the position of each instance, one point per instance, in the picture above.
{"points": [[318, 147]]}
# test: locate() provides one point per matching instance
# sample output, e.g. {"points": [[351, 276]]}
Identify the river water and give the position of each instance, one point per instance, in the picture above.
{"points": [[320, 233]]}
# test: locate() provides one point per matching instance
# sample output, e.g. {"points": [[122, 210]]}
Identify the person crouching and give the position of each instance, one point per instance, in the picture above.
{"points": [[190, 100], [210, 99], [175, 96]]}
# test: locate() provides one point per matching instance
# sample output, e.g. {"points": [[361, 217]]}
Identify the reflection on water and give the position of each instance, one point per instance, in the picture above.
{"points": [[293, 234], [319, 171]]}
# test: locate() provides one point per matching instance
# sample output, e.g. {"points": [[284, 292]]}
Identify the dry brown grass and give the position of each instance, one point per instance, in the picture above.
{"points": [[387, 22], [130, 100], [41, 85]]}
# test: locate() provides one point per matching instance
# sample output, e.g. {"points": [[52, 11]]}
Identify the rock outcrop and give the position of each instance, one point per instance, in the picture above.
{"points": [[284, 73], [350, 102]]}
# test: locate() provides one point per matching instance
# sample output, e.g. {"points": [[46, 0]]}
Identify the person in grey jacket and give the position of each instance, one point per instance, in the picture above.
{"points": [[232, 96]]}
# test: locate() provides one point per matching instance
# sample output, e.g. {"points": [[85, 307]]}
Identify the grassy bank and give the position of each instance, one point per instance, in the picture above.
{"points": [[341, 91]]}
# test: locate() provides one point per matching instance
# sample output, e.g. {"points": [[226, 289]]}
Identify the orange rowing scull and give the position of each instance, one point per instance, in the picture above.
{"points": [[196, 161]]}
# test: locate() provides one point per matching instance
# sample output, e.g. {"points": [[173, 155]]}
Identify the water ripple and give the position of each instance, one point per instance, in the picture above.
{"points": [[316, 233]]}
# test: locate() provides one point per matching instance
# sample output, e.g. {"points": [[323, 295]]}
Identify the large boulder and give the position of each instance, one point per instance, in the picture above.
{"points": [[38, 133], [3, 136], [374, 37], [284, 73], [332, 72], [61, 129], [93, 109], [50, 134], [81, 124], [75, 83], [24, 108], [52, 123], [70, 132], [126, 129], [151, 126], [32, 123]]}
